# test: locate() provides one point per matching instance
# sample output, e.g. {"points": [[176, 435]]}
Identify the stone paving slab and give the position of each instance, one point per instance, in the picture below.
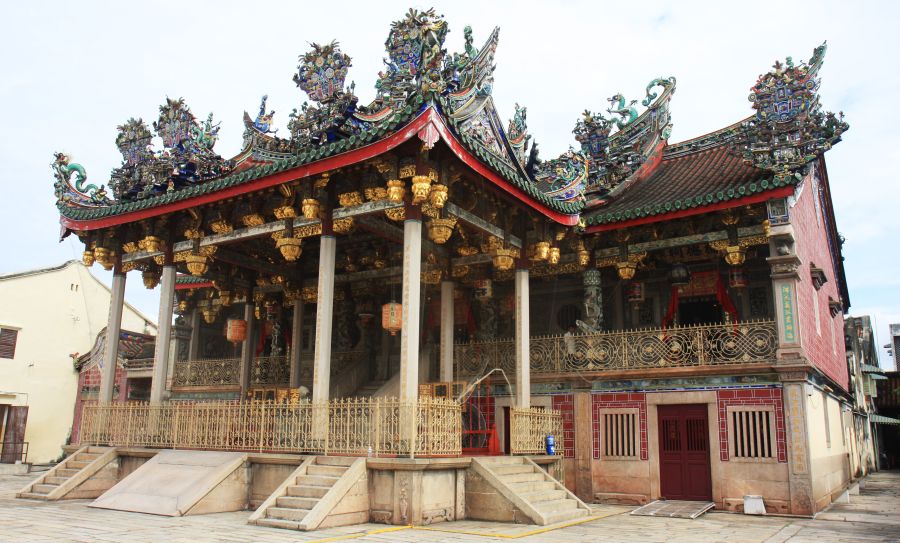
{"points": [[872, 516]]}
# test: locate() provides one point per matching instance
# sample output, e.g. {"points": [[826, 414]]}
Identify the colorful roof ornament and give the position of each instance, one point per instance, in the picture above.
{"points": [[70, 187], [188, 159], [517, 133], [790, 129], [639, 138]]}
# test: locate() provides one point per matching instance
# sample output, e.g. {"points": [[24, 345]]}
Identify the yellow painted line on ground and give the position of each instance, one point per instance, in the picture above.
{"points": [[516, 536], [360, 534]]}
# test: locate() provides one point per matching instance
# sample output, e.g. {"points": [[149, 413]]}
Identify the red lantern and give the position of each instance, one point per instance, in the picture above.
{"points": [[634, 292], [236, 330], [391, 313], [737, 278]]}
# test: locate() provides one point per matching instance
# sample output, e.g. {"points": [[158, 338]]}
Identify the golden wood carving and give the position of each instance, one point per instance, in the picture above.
{"points": [[349, 199], [395, 213], [253, 219], [421, 188], [396, 190], [221, 226], [343, 226], [290, 248], [285, 212]]}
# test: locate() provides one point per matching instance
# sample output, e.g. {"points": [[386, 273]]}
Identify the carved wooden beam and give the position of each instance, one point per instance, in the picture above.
{"points": [[658, 245], [481, 224]]}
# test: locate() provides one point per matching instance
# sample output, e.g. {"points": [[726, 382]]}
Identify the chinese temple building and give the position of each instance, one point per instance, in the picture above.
{"points": [[409, 278]]}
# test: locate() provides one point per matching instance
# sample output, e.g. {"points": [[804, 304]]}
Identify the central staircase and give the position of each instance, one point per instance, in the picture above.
{"points": [[529, 488], [312, 493]]}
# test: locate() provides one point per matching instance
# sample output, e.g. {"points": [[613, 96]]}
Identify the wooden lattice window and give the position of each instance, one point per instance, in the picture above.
{"points": [[620, 434], [751, 433], [8, 337]]}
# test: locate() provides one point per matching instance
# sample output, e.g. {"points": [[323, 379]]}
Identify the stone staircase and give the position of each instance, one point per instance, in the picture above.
{"points": [[68, 474], [311, 493], [369, 389], [532, 490]]}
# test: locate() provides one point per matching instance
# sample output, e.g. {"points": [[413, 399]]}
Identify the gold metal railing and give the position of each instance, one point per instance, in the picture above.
{"points": [[716, 344], [356, 426], [530, 428], [209, 372], [270, 370]]}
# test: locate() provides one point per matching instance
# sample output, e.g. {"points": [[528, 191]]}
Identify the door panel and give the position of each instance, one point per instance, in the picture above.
{"points": [[14, 434], [684, 472]]}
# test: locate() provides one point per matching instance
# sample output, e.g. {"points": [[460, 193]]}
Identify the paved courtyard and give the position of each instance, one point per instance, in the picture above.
{"points": [[874, 515]]}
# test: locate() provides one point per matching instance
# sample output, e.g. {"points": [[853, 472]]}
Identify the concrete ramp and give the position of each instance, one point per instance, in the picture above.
{"points": [[177, 483]]}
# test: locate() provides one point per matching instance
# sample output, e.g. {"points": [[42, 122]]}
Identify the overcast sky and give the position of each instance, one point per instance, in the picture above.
{"points": [[70, 72]]}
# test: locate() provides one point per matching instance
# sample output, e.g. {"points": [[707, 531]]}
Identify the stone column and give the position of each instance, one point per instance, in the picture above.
{"points": [[162, 347], [447, 323], [296, 343], [324, 319], [523, 362], [797, 441], [113, 329], [593, 298], [247, 349], [194, 345], [409, 334], [584, 426]]}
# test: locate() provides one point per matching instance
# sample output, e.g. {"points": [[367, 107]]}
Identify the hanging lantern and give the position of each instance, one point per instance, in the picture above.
{"points": [[438, 195], [735, 255], [104, 257], [737, 278], [679, 275], [310, 208], [421, 188], [584, 256], [196, 264], [391, 313], [634, 292], [440, 230], [151, 244], [150, 277], [236, 330], [626, 269], [396, 190], [290, 248], [553, 256], [542, 250]]}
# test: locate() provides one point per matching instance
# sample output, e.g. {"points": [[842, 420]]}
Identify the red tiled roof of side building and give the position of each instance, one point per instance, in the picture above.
{"points": [[683, 182]]}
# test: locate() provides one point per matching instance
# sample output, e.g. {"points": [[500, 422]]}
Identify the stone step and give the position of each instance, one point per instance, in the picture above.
{"points": [[32, 496], [66, 472], [87, 457], [286, 513], [316, 480], [492, 460], [531, 486], [55, 480], [328, 471], [296, 502], [521, 477], [562, 516], [44, 488], [345, 461], [543, 496], [512, 468], [302, 491], [77, 464], [278, 523], [555, 506]]}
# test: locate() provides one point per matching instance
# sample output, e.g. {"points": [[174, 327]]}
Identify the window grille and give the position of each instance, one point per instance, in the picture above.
{"points": [[8, 338], [751, 432], [619, 431]]}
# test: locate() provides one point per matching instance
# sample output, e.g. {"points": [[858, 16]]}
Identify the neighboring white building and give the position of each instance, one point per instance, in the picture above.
{"points": [[46, 317]]}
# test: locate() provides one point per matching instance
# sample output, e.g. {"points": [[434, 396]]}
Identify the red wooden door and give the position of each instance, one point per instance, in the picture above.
{"points": [[684, 452]]}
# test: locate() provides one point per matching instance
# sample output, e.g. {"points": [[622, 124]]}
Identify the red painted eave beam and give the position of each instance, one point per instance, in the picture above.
{"points": [[406, 133], [746, 200]]}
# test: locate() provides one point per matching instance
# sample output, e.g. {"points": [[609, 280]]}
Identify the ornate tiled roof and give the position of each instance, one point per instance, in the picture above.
{"points": [[687, 181], [622, 162]]}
